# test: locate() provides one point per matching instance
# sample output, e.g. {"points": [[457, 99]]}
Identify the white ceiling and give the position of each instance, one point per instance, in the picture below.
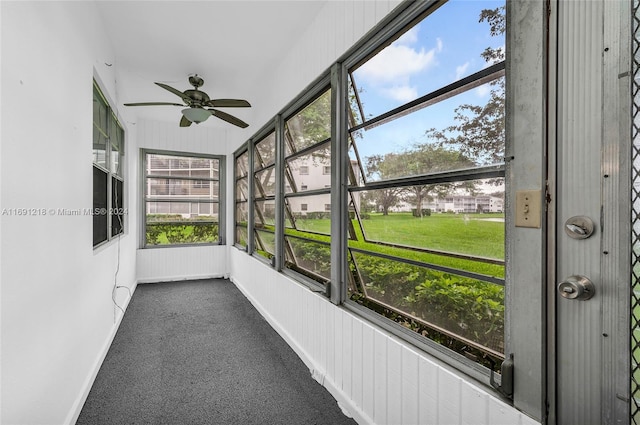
{"points": [[228, 43]]}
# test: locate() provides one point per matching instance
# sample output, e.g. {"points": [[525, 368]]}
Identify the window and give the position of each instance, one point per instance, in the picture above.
{"points": [[181, 198], [264, 185], [108, 177], [326, 170], [307, 137], [241, 198], [426, 239]]}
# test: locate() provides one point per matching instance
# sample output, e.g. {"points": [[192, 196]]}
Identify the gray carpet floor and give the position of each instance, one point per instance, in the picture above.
{"points": [[197, 352]]}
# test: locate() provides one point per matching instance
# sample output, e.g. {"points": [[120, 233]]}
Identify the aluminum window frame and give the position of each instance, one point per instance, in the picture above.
{"points": [[221, 202], [242, 151], [265, 134], [382, 39]]}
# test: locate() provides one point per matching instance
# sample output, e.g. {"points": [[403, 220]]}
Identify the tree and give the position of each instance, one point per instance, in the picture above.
{"points": [[479, 130], [383, 198], [430, 158], [312, 124], [417, 160]]}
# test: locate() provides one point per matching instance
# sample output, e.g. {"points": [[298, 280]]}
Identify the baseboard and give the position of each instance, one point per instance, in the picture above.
{"points": [[317, 371], [181, 278], [76, 408]]}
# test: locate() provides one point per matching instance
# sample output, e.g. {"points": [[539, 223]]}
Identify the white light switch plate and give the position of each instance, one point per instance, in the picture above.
{"points": [[528, 210]]}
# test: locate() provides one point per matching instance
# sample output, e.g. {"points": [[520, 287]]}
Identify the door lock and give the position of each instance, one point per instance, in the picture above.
{"points": [[576, 287], [579, 227]]}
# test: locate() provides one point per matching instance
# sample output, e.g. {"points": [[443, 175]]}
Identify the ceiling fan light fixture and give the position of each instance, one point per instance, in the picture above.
{"points": [[196, 115]]}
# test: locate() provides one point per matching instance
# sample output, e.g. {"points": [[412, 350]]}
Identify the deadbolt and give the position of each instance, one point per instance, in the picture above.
{"points": [[576, 287], [579, 227]]}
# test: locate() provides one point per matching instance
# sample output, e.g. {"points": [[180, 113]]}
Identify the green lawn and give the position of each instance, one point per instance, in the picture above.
{"points": [[473, 234]]}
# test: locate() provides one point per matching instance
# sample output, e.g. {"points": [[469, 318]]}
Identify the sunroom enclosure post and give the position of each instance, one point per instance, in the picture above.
{"points": [[339, 207], [279, 203], [525, 250], [250, 191]]}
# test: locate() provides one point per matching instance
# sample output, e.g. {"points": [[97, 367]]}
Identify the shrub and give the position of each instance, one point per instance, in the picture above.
{"points": [[470, 308], [162, 233]]}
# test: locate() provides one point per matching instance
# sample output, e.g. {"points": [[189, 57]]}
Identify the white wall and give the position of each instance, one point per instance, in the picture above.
{"points": [[179, 263], [57, 315], [376, 378]]}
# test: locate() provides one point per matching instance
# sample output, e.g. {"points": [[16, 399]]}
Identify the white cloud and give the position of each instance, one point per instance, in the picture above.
{"points": [[461, 70], [396, 62], [390, 71], [402, 93], [409, 37], [483, 90]]}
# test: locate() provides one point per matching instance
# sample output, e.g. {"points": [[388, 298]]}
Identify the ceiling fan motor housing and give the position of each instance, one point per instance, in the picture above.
{"points": [[196, 81]]}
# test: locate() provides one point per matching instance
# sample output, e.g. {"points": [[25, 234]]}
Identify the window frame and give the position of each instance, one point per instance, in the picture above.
{"points": [[310, 95], [114, 207], [257, 244], [221, 198], [388, 33], [236, 201]]}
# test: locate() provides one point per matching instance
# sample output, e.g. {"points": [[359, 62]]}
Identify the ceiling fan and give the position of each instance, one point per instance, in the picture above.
{"points": [[198, 102]]}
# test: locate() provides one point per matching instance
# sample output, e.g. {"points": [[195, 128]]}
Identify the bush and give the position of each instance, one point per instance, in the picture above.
{"points": [[467, 307], [318, 215], [312, 256], [425, 212], [163, 233]]}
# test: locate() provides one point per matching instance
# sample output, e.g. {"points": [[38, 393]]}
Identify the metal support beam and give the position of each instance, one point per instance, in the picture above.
{"points": [[279, 201], [339, 207], [250, 189], [526, 128]]}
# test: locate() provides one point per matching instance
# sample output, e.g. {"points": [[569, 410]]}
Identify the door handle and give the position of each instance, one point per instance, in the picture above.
{"points": [[576, 287]]}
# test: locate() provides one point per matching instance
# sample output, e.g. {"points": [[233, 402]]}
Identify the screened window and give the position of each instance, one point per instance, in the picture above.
{"points": [[181, 198], [264, 178], [241, 198], [307, 222], [426, 187], [108, 177]]}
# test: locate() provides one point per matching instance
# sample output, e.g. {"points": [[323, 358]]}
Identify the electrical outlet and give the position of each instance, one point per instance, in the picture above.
{"points": [[528, 211]]}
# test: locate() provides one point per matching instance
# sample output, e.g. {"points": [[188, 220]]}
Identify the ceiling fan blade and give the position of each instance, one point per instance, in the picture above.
{"points": [[228, 118], [184, 122], [228, 103], [172, 90], [152, 104]]}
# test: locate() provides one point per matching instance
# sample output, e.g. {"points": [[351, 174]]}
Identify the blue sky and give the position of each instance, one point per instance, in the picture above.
{"points": [[442, 48]]}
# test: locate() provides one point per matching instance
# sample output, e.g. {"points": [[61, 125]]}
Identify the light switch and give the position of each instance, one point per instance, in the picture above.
{"points": [[528, 211]]}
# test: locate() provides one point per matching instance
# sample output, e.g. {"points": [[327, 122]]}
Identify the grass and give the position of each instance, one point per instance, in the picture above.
{"points": [[465, 234], [461, 233]]}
